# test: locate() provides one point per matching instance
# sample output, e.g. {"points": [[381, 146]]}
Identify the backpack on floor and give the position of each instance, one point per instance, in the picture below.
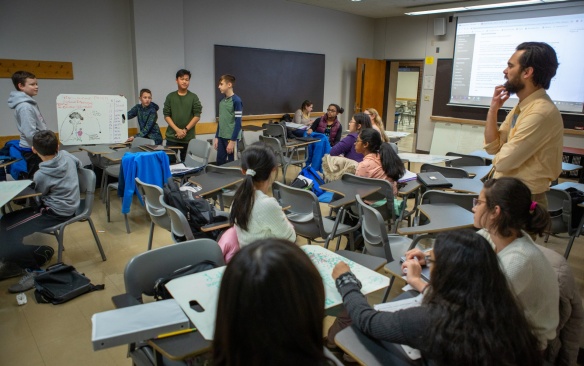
{"points": [[61, 283], [198, 211], [160, 291]]}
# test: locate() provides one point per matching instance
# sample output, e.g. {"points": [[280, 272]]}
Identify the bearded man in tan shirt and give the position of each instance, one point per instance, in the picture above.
{"points": [[529, 143]]}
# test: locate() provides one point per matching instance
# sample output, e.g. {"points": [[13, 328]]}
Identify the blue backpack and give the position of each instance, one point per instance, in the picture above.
{"points": [[310, 173]]}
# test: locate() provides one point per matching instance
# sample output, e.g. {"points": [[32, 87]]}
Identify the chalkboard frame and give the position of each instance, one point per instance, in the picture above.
{"points": [[271, 81], [442, 88]]}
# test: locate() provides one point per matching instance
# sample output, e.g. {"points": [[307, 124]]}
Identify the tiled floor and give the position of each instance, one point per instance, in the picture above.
{"points": [[43, 334]]}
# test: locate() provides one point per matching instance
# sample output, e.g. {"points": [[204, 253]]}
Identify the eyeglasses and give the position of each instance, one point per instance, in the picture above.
{"points": [[332, 110], [476, 202]]}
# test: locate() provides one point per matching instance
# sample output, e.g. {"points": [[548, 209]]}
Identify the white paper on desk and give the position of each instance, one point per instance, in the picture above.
{"points": [[408, 176], [203, 288], [297, 126], [392, 306], [325, 260], [11, 189]]}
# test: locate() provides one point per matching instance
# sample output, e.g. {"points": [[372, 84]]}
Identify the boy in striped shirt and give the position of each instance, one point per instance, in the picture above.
{"points": [[229, 128]]}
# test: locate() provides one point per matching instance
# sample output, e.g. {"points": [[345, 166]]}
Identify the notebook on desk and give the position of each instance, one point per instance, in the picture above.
{"points": [[434, 180]]}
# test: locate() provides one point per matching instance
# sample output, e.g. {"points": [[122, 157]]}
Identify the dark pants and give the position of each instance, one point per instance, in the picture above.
{"points": [[222, 155], [32, 163], [183, 151], [14, 226]]}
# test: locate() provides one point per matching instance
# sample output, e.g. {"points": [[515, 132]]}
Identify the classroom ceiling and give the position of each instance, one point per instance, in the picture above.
{"points": [[390, 8]]}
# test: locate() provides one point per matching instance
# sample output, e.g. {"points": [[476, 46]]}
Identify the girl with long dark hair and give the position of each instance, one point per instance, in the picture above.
{"points": [[346, 146], [469, 315], [380, 161], [270, 308]]}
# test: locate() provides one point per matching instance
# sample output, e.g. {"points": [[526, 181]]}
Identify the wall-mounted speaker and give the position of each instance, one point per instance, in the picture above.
{"points": [[439, 26]]}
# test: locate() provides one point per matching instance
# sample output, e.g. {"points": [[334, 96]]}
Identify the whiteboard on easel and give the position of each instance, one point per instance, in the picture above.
{"points": [[85, 119]]}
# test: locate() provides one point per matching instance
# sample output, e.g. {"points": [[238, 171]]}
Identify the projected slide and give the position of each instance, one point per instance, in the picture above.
{"points": [[483, 48]]}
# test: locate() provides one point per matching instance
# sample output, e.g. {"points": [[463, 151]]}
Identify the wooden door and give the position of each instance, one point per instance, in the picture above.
{"points": [[370, 85]]}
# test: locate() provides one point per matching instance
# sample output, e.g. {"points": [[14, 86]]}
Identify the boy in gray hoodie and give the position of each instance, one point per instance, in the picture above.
{"points": [[57, 181], [29, 119]]}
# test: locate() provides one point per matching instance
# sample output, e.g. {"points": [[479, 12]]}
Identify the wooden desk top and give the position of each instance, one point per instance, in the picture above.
{"points": [[443, 217], [348, 191], [212, 182], [6, 163]]}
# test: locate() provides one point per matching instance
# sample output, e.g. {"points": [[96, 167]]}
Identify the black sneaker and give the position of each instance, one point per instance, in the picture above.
{"points": [[43, 255], [9, 270]]}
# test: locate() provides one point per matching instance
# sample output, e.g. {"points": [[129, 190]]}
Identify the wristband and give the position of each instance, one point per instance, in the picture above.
{"points": [[346, 278]]}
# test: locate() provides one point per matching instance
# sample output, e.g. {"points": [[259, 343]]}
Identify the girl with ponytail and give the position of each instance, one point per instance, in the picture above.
{"points": [[255, 214]]}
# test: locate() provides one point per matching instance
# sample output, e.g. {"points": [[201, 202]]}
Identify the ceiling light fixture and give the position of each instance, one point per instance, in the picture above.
{"points": [[482, 7]]}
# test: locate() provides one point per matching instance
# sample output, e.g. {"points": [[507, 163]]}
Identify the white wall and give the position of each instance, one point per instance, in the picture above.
{"points": [[120, 46], [94, 35], [407, 84]]}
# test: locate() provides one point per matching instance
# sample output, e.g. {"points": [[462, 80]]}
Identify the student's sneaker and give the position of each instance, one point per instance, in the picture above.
{"points": [[26, 282], [43, 255], [9, 270]]}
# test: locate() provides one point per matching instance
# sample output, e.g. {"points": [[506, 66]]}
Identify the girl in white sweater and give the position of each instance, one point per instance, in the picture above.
{"points": [[255, 214]]}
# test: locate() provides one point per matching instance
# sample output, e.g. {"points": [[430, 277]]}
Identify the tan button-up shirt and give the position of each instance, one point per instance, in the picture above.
{"points": [[532, 150]]}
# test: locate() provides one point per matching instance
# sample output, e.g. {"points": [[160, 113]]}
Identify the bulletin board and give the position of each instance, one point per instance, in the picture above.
{"points": [[40, 69], [91, 119]]}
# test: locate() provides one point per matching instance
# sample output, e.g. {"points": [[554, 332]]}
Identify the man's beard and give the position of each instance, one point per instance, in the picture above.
{"points": [[514, 86]]}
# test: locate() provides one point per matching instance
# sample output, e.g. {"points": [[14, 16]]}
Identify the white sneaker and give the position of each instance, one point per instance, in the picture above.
{"points": [[26, 282]]}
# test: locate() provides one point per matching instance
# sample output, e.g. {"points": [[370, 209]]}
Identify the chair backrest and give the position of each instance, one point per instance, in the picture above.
{"points": [[275, 144], [141, 141], [386, 192], [151, 194], [143, 270], [179, 226], [447, 172], [276, 130], [232, 171], [463, 200], [198, 153], [86, 187], [465, 160], [374, 233], [560, 210], [303, 212]]}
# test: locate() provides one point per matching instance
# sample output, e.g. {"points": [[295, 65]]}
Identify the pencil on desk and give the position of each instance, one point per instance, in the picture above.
{"points": [[178, 332]]}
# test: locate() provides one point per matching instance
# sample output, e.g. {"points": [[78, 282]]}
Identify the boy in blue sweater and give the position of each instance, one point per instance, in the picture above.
{"points": [[229, 128], [147, 113], [57, 181]]}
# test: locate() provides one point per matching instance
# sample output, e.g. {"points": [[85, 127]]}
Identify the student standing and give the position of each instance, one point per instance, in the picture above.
{"points": [[182, 111], [57, 180], [229, 127], [529, 143], [255, 214], [29, 119], [146, 111]]}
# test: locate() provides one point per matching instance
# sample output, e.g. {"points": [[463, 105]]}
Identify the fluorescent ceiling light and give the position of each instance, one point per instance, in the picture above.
{"points": [[480, 7]]}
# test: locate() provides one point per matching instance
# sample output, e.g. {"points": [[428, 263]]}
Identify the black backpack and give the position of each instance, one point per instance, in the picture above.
{"points": [[160, 291], [61, 283], [198, 211]]}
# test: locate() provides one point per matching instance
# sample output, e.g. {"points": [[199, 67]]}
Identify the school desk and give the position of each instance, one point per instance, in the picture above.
{"points": [[11, 189], [212, 182], [477, 172]]}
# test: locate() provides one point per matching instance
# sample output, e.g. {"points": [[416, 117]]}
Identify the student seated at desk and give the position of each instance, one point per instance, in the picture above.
{"points": [[255, 214], [329, 124], [58, 182], [505, 214], [270, 308], [380, 161], [346, 147], [302, 117], [469, 315]]}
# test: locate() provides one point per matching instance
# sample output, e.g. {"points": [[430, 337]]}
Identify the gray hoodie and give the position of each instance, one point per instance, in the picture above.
{"points": [[58, 182], [29, 119]]}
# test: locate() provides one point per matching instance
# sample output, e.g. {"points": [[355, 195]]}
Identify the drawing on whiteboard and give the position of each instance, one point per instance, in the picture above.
{"points": [[75, 126], [91, 119]]}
